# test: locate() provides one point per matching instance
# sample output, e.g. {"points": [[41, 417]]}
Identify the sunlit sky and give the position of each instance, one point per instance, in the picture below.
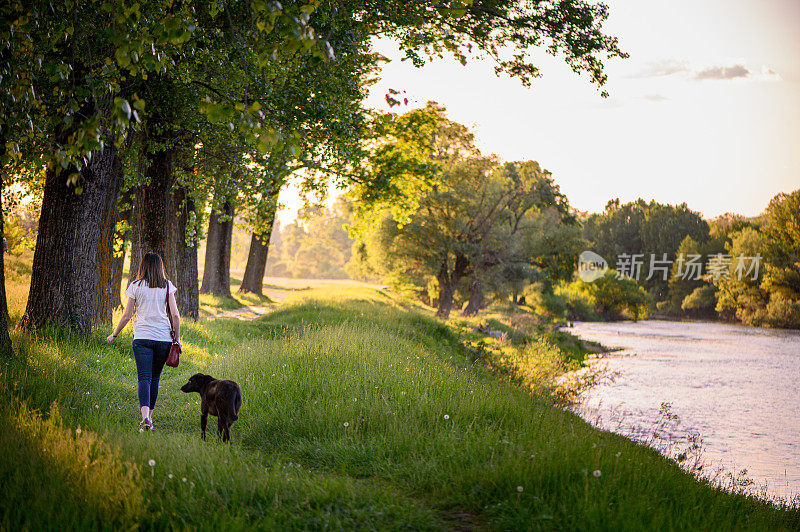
{"points": [[706, 110]]}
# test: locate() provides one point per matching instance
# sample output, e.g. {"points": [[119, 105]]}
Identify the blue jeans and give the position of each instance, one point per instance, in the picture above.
{"points": [[150, 356]]}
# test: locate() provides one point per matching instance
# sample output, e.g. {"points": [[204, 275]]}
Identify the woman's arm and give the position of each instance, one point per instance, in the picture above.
{"points": [[127, 314], [176, 317]]}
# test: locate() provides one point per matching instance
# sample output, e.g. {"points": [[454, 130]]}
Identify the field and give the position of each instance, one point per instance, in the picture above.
{"points": [[360, 411]]}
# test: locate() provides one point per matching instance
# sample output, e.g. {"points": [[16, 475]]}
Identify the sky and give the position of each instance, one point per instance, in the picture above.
{"points": [[705, 111]]}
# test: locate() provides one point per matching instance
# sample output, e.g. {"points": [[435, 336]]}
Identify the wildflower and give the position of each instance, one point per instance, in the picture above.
{"points": [[184, 479], [596, 473], [151, 463], [447, 416], [346, 424], [618, 454], [169, 476], [520, 489], [97, 406], [78, 430]]}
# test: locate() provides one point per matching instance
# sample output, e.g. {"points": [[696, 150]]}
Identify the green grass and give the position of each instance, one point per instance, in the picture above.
{"points": [[359, 412]]}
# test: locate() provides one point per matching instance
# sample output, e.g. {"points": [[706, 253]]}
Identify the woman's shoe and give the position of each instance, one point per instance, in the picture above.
{"points": [[145, 424]]}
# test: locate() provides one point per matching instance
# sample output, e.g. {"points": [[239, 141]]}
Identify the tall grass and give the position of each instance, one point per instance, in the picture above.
{"points": [[357, 413]]}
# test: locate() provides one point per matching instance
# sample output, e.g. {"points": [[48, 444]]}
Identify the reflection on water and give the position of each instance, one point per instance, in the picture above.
{"points": [[736, 386]]}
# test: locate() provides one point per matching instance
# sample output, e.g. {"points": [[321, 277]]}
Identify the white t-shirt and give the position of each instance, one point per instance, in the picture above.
{"points": [[152, 322]]}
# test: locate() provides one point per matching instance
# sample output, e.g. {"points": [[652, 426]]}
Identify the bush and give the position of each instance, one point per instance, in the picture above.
{"points": [[701, 302], [607, 298], [783, 312], [17, 237], [578, 301]]}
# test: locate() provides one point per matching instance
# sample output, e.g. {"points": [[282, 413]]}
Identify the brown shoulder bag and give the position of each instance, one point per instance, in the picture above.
{"points": [[173, 359]]}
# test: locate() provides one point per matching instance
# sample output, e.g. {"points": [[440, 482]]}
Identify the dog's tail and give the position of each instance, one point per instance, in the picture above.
{"points": [[237, 403]]}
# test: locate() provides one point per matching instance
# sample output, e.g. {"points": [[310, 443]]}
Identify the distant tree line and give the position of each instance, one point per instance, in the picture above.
{"points": [[746, 270], [315, 246]]}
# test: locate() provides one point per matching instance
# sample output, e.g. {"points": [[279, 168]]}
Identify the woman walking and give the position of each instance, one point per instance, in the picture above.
{"points": [[149, 295]]}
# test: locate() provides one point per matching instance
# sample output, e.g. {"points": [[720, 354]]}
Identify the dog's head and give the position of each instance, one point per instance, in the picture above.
{"points": [[196, 383]]}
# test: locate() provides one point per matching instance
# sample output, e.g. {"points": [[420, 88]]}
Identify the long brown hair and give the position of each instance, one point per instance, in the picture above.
{"points": [[151, 269]]}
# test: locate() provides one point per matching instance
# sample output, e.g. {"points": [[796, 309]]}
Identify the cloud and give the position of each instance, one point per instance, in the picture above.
{"points": [[722, 72], [733, 70], [663, 67], [767, 74]]}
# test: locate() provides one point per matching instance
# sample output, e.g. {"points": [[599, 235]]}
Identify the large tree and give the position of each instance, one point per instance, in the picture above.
{"points": [[454, 214]]}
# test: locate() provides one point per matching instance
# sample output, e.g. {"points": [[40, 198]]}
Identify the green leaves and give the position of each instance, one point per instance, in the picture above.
{"points": [[122, 56]]}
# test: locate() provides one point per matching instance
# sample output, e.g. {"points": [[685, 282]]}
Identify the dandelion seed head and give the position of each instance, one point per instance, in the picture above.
{"points": [[520, 489], [184, 479], [346, 424], [78, 430], [169, 476], [447, 416], [596, 473], [151, 463]]}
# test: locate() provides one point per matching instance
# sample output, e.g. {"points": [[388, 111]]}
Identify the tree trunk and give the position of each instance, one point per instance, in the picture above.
{"points": [[475, 299], [217, 265], [5, 339], [448, 282], [64, 280], [253, 280], [106, 261], [155, 204], [446, 292], [183, 254]]}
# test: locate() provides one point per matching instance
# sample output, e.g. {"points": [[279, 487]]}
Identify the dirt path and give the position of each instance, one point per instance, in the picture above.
{"points": [[244, 313]]}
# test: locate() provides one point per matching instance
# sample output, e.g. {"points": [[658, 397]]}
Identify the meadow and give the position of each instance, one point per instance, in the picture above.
{"points": [[361, 411]]}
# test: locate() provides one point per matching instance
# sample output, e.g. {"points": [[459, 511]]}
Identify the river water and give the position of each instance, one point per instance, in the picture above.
{"points": [[736, 387]]}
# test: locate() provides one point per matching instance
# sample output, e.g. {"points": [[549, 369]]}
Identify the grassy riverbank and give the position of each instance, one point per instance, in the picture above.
{"points": [[358, 412]]}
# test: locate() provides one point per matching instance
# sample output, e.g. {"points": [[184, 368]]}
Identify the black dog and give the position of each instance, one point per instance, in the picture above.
{"points": [[218, 398]]}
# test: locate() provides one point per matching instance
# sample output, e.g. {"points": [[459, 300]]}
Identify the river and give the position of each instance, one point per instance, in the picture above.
{"points": [[736, 387]]}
